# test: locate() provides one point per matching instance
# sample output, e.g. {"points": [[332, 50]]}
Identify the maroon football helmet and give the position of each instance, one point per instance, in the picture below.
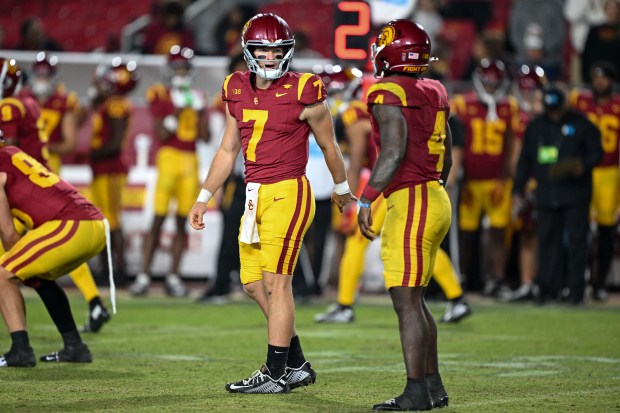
{"points": [[267, 30], [402, 46], [10, 77], [117, 78], [180, 58], [530, 78], [45, 65], [491, 76]]}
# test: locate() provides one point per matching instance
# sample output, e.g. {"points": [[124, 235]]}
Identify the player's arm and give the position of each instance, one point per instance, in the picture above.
{"points": [[321, 123], [8, 234], [118, 128], [204, 132], [357, 135], [221, 167], [393, 130], [68, 127]]}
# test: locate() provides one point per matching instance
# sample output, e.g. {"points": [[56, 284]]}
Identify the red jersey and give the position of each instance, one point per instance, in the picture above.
{"points": [[53, 110], [160, 104], [274, 139], [37, 195], [425, 106], [20, 119], [485, 140], [606, 117], [115, 107], [358, 111]]}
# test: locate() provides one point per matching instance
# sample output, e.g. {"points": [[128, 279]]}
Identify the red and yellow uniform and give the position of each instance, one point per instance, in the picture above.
{"points": [[177, 162], [52, 112], [418, 211], [65, 230], [606, 175], [20, 119], [486, 187], [110, 172], [275, 147]]}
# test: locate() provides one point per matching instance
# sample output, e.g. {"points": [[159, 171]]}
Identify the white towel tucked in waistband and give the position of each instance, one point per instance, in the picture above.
{"points": [[249, 229]]}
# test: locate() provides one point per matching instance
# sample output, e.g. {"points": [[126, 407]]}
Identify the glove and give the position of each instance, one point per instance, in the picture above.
{"points": [[198, 101], [171, 123], [179, 99]]}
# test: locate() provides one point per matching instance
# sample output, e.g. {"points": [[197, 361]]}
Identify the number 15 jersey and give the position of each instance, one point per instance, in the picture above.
{"points": [[273, 138]]}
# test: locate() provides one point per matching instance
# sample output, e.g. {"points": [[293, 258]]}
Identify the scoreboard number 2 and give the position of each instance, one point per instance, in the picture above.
{"points": [[343, 31]]}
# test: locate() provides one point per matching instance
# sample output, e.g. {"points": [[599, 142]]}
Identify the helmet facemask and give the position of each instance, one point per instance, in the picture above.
{"points": [[284, 61]]}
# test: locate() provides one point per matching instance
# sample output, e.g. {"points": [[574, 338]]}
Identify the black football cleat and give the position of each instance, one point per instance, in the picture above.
{"points": [[301, 376], [23, 357], [69, 354], [260, 382]]}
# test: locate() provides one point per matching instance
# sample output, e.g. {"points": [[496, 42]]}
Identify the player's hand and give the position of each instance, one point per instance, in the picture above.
{"points": [[364, 220], [497, 194], [198, 101], [178, 98], [343, 200], [196, 215]]}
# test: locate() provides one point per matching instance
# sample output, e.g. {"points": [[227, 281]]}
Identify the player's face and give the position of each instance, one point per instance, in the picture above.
{"points": [[42, 86], [601, 83], [269, 57]]}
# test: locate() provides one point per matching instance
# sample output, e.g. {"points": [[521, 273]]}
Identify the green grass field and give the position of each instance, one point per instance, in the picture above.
{"points": [[160, 354]]}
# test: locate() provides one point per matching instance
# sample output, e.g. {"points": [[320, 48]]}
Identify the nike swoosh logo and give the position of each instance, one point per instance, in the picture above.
{"points": [[250, 189], [281, 94], [277, 199], [390, 207]]}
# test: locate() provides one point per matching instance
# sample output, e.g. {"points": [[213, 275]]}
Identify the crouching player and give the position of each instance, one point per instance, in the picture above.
{"points": [[65, 230]]}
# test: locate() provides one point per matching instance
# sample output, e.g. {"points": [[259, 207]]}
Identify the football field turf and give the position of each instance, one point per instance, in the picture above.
{"points": [[159, 354]]}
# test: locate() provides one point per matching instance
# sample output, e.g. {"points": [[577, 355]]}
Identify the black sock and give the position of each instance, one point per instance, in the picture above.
{"points": [[71, 338], [19, 340], [344, 307], [276, 360], [296, 357], [94, 303], [457, 299], [434, 380]]}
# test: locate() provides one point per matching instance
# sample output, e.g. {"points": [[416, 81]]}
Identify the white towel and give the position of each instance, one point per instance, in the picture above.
{"points": [[249, 229]]}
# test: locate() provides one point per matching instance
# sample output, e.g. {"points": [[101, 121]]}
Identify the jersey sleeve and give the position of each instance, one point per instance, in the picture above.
{"points": [[387, 93], [119, 108], [229, 87], [12, 111], [354, 112], [310, 89]]}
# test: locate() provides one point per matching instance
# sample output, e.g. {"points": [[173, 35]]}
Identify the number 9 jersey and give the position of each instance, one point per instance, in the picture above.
{"points": [[273, 137]]}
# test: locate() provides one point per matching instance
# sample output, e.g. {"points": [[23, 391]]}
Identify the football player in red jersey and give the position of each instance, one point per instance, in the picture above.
{"points": [[602, 106], [33, 116], [180, 120], [489, 116], [270, 113], [110, 123], [413, 139], [64, 231]]}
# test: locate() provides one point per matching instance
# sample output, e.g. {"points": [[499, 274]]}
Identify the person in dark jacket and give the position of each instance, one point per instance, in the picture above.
{"points": [[560, 148]]}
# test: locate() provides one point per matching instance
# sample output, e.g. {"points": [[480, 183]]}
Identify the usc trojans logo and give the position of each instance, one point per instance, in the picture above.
{"points": [[250, 205], [386, 36]]}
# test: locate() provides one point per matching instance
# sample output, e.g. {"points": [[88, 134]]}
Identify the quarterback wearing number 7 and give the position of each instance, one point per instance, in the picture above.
{"points": [[270, 113]]}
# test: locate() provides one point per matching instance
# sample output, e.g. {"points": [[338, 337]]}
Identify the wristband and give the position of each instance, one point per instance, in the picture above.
{"points": [[204, 196], [342, 188], [370, 193], [362, 205]]}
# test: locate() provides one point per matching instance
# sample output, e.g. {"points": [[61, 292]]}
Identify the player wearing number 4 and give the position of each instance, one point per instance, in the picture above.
{"points": [[270, 113], [180, 120], [413, 139]]}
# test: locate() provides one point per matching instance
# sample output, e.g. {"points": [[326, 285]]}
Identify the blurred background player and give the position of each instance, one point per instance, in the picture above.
{"points": [[602, 106], [180, 120], [362, 156], [112, 112], [527, 88], [28, 125], [488, 115]]}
